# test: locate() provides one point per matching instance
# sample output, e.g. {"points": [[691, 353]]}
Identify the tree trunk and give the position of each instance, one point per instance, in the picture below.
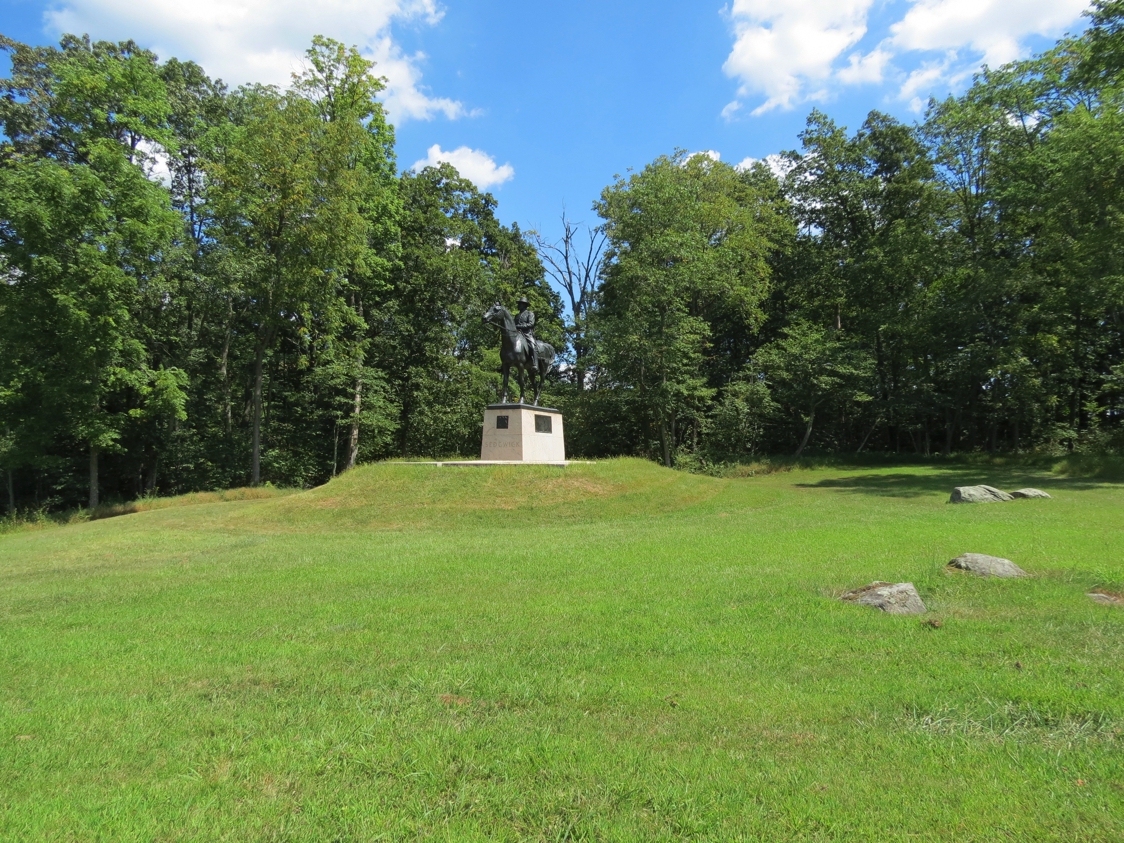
{"points": [[93, 476], [405, 428], [11, 494], [807, 433], [353, 436], [226, 381], [335, 448], [150, 484], [665, 443], [255, 470], [868, 434]]}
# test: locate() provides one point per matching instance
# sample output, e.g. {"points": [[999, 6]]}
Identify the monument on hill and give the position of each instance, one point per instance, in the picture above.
{"points": [[521, 432]]}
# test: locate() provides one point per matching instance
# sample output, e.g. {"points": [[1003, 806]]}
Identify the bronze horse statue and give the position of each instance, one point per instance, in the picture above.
{"points": [[516, 351]]}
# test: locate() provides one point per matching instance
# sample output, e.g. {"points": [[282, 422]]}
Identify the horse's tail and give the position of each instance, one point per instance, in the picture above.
{"points": [[546, 356]]}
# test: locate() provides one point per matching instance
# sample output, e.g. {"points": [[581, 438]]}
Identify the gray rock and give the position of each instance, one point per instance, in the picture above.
{"points": [[1029, 493], [987, 566], [892, 598], [978, 494], [1105, 598]]}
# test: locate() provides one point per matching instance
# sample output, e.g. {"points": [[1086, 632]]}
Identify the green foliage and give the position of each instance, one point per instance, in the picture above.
{"points": [[808, 369], [689, 239], [81, 244], [740, 420]]}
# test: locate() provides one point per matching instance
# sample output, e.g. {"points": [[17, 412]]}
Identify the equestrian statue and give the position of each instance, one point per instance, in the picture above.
{"points": [[519, 348]]}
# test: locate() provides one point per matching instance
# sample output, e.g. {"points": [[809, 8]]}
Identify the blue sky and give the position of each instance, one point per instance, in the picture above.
{"points": [[542, 103]]}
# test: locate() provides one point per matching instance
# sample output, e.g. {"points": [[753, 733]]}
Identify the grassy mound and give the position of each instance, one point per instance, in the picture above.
{"points": [[392, 495], [604, 652]]}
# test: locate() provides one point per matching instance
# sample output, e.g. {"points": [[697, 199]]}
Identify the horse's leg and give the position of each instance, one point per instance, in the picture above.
{"points": [[506, 369], [545, 365], [522, 388]]}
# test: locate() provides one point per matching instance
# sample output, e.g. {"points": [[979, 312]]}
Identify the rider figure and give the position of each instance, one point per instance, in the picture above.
{"points": [[525, 324]]}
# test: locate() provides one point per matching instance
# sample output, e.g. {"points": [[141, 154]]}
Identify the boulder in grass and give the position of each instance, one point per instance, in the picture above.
{"points": [[978, 494], [1029, 493], [892, 598], [987, 566]]}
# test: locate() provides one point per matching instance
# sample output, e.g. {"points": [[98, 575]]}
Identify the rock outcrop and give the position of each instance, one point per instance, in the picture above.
{"points": [[978, 494], [987, 566], [1106, 598], [892, 598]]}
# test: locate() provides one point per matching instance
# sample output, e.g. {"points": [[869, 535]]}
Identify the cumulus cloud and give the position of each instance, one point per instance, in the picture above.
{"points": [[993, 28], [264, 40], [780, 47], [474, 164], [793, 52], [868, 68]]}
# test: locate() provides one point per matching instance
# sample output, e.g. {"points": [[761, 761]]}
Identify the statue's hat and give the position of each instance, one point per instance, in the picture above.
{"points": [[523, 300]]}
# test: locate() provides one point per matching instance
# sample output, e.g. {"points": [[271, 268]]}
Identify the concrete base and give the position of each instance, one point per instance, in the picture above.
{"points": [[520, 433]]}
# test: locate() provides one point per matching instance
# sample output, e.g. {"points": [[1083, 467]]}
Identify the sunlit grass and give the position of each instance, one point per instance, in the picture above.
{"points": [[602, 652]]}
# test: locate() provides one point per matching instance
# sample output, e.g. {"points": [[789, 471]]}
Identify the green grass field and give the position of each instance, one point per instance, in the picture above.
{"points": [[603, 652]]}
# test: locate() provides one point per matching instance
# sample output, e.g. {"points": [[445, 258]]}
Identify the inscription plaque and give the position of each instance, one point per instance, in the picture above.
{"points": [[501, 422], [542, 424]]}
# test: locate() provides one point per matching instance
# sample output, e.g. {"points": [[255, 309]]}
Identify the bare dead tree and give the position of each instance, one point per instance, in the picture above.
{"points": [[574, 264]]}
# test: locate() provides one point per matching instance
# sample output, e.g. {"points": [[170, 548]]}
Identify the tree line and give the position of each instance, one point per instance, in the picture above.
{"points": [[203, 287], [950, 286]]}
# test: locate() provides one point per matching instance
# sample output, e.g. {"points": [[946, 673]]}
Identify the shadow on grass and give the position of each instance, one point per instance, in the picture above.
{"points": [[41, 519], [906, 485]]}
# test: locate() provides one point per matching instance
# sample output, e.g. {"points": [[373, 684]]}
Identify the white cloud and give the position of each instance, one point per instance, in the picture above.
{"points": [[868, 68], [155, 162], [781, 46], [925, 78], [731, 109], [791, 52], [777, 164], [932, 77], [474, 164], [264, 40], [993, 28]]}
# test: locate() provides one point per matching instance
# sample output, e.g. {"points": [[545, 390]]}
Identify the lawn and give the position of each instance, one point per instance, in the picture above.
{"points": [[611, 651]]}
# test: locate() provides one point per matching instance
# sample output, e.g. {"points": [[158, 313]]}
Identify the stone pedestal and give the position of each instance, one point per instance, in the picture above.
{"points": [[522, 433]]}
